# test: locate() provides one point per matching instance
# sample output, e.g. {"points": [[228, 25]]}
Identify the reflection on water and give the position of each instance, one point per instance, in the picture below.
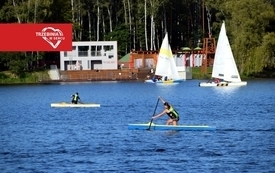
{"points": [[224, 91]]}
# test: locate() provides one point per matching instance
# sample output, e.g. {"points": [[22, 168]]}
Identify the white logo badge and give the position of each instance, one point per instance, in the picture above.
{"points": [[52, 36]]}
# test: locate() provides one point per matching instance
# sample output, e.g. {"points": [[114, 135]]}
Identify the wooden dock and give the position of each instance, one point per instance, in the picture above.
{"points": [[103, 75]]}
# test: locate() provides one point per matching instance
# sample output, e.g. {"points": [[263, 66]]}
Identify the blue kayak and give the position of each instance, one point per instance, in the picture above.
{"points": [[171, 127]]}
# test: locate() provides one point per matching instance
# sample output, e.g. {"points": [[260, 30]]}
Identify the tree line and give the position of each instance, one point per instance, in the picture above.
{"points": [[141, 25]]}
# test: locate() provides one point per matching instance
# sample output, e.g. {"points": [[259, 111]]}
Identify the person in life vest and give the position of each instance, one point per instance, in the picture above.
{"points": [[75, 98], [170, 111], [154, 79], [217, 80]]}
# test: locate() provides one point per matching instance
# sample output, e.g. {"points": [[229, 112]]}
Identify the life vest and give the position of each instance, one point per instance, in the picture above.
{"points": [[172, 113], [75, 97]]}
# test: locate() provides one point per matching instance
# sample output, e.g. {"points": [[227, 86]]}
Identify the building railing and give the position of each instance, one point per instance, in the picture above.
{"points": [[86, 53]]}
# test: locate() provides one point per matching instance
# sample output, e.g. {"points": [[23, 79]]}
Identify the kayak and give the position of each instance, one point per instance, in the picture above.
{"points": [[171, 127], [79, 105]]}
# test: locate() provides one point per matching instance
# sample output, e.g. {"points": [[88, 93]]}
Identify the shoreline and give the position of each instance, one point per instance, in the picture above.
{"points": [[42, 78], [58, 82]]}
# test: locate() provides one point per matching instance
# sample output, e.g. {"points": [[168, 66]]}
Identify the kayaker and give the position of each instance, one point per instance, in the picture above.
{"points": [[75, 98], [170, 111]]}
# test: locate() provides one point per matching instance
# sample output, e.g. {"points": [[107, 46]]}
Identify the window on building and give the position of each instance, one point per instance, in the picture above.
{"points": [[108, 47], [83, 51], [96, 50]]}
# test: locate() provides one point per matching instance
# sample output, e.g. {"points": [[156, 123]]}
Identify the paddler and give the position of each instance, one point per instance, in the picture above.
{"points": [[170, 111], [75, 98]]}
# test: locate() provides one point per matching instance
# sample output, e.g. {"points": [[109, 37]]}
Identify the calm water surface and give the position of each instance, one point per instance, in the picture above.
{"points": [[37, 138]]}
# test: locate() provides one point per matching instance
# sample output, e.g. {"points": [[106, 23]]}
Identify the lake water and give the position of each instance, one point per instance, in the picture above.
{"points": [[37, 138]]}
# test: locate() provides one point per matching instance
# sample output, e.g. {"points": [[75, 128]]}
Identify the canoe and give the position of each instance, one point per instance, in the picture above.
{"points": [[79, 105], [171, 127]]}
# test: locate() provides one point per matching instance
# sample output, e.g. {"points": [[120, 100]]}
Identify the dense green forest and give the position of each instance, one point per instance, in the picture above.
{"points": [[141, 25]]}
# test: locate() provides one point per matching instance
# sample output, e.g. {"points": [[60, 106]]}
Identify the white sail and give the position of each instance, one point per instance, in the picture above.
{"points": [[173, 72], [166, 65], [163, 58], [224, 66]]}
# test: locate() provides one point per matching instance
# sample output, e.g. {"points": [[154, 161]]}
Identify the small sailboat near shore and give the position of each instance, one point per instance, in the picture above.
{"points": [[225, 71], [166, 69]]}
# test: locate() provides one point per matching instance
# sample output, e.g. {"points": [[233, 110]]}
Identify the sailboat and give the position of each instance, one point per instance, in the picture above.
{"points": [[166, 69], [225, 71]]}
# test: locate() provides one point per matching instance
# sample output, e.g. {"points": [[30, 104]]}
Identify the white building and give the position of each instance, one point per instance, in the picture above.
{"points": [[90, 55]]}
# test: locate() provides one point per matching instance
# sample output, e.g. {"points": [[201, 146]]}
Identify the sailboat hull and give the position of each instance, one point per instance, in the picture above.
{"points": [[222, 84], [164, 82]]}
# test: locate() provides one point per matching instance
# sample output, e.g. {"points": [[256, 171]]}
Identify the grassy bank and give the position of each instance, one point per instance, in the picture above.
{"points": [[6, 77], [197, 73]]}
